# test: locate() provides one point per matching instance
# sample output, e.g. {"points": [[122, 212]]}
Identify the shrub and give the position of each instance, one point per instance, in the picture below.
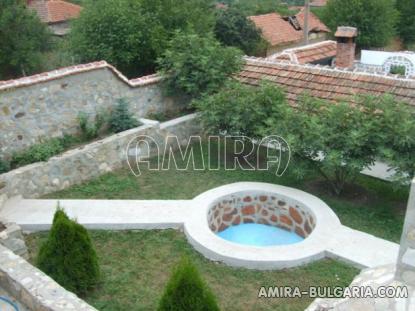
{"points": [[4, 166], [121, 118], [195, 65], [90, 131], [239, 109], [68, 255], [38, 152], [132, 34], [187, 291]]}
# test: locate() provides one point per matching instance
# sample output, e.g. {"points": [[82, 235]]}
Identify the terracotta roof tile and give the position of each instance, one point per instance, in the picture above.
{"points": [[276, 30], [325, 82], [54, 11], [308, 54]]}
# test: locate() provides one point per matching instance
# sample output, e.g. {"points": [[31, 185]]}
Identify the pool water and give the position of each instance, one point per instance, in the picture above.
{"points": [[259, 235]]}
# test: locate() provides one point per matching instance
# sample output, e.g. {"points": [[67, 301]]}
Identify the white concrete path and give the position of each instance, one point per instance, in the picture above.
{"points": [[354, 247]]}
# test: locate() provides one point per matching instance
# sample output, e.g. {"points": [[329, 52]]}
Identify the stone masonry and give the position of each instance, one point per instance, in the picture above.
{"points": [[47, 105], [90, 161], [261, 208]]}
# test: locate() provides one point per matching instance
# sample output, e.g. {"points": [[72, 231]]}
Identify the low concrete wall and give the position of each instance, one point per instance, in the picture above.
{"points": [[90, 161]]}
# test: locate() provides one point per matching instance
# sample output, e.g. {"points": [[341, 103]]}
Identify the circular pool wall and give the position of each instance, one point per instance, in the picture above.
{"points": [[274, 206], [260, 208]]}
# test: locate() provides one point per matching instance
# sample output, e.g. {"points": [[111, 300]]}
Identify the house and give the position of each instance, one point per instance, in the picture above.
{"points": [[57, 14], [283, 32], [343, 81]]}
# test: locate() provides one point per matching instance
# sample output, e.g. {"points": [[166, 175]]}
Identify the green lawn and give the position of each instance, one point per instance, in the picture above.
{"points": [[371, 206], [136, 266]]}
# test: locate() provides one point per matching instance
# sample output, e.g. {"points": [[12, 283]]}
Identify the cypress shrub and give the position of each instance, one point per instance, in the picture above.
{"points": [[187, 291], [68, 255]]}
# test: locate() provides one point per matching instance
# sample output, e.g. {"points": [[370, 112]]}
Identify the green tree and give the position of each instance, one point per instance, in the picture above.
{"points": [[242, 110], [399, 144], [233, 28], [114, 31], [23, 38], [337, 140], [406, 25], [187, 291], [68, 255], [132, 34], [195, 65], [121, 118], [255, 7], [375, 19]]}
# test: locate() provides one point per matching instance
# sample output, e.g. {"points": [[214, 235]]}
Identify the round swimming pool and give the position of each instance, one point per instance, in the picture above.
{"points": [[259, 235]]}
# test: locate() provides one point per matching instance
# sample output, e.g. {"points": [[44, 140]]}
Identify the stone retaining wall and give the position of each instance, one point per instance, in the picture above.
{"points": [[261, 208], [90, 161], [34, 289], [47, 105]]}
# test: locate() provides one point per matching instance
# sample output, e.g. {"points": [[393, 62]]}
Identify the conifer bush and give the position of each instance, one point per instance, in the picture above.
{"points": [[187, 291], [121, 118], [68, 255]]}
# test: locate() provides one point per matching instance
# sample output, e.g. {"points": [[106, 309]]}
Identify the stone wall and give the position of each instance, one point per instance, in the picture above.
{"points": [[261, 208], [47, 105], [90, 161], [32, 288]]}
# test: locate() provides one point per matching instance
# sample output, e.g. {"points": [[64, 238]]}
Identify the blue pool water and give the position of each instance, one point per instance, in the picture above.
{"points": [[259, 235]]}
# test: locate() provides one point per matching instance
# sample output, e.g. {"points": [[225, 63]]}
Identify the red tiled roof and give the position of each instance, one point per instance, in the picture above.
{"points": [[324, 82], [309, 53], [277, 30], [54, 11]]}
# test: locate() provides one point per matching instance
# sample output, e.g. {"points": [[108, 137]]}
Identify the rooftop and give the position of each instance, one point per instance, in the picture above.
{"points": [[324, 82], [277, 30], [308, 54], [54, 11]]}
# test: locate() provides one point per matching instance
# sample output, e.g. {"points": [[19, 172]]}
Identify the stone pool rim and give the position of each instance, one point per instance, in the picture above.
{"points": [[215, 248]]}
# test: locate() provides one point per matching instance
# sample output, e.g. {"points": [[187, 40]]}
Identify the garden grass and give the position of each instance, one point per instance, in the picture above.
{"points": [[372, 206], [136, 265]]}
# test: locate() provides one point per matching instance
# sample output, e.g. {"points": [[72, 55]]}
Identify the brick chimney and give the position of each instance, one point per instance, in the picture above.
{"points": [[346, 46]]}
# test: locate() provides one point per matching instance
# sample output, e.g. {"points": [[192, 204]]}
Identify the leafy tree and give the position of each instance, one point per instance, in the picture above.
{"points": [[196, 65], [406, 26], [375, 19], [68, 255], [337, 140], [187, 291], [399, 144], [132, 34], [114, 31], [23, 38], [255, 7], [242, 110], [121, 118], [233, 28]]}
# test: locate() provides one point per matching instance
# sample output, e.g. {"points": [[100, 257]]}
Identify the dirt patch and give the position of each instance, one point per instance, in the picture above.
{"points": [[2, 227], [351, 192]]}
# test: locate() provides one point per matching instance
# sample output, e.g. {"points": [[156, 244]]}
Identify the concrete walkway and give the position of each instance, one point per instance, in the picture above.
{"points": [[360, 249]]}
